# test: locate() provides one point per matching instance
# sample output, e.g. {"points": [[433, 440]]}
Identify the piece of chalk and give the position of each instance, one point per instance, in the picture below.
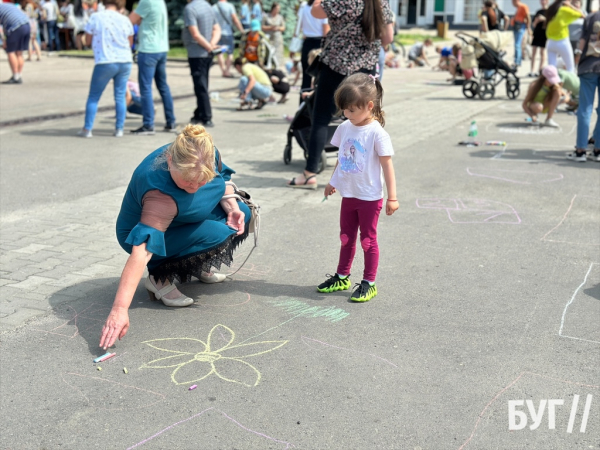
{"points": [[125, 370], [324, 198], [192, 387], [99, 368], [105, 357], [99, 358]]}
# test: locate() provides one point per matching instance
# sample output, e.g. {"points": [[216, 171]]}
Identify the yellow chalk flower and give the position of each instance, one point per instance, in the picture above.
{"points": [[194, 360]]}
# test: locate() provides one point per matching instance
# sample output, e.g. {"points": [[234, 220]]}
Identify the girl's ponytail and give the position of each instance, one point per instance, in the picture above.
{"points": [[378, 113]]}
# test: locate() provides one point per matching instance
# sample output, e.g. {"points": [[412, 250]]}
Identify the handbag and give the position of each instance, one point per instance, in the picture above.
{"points": [[245, 197], [295, 45], [315, 66]]}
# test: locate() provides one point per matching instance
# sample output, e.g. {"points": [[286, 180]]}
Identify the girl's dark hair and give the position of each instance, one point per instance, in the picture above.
{"points": [[372, 20], [552, 11], [310, 2], [273, 6], [358, 90]]}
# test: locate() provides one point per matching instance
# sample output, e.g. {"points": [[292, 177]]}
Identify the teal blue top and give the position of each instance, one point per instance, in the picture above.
{"points": [[191, 208], [153, 34]]}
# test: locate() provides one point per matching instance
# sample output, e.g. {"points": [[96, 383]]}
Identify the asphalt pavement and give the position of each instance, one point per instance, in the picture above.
{"points": [[484, 334]]}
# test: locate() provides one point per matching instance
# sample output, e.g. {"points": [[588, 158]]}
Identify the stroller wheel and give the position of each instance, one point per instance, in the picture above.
{"points": [[486, 91], [470, 88], [512, 90], [287, 154], [322, 162]]}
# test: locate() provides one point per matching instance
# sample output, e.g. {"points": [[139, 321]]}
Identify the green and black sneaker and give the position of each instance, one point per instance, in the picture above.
{"points": [[364, 292], [334, 283]]}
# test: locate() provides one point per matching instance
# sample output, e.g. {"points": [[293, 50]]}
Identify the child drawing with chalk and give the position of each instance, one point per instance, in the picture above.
{"points": [[364, 162]]}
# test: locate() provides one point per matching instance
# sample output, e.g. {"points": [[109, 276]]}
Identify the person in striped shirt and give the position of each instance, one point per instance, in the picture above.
{"points": [[15, 39]]}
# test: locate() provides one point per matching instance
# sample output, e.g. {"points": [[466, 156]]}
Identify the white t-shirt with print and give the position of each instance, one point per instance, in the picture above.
{"points": [[110, 42], [358, 173]]}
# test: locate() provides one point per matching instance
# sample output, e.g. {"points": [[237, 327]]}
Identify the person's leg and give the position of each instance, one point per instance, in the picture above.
{"points": [[242, 85], [160, 78], [566, 53], [518, 34], [369, 216], [349, 222], [551, 102], [101, 76], [597, 126], [146, 69], [542, 57], [323, 110], [381, 62], [120, 86], [533, 52], [587, 92], [204, 73], [308, 45], [199, 69], [56, 36], [20, 62], [551, 50], [135, 106], [261, 92], [13, 62]]}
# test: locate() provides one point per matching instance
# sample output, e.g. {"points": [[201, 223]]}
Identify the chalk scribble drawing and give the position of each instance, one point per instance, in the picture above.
{"points": [[202, 359], [257, 434], [516, 176], [78, 321], [472, 210]]}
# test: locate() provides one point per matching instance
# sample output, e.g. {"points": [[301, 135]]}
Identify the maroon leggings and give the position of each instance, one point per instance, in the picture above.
{"points": [[361, 214]]}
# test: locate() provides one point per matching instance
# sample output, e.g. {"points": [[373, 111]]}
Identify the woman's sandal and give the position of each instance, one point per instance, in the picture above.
{"points": [[305, 185], [245, 106], [156, 294], [260, 105]]}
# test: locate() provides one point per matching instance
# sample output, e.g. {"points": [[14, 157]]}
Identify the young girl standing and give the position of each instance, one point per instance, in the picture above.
{"points": [[364, 161]]}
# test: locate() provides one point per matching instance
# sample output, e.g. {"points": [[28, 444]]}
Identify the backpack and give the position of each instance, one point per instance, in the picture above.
{"points": [[252, 44]]}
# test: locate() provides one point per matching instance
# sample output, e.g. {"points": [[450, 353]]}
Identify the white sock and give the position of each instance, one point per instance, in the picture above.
{"points": [[17, 76]]}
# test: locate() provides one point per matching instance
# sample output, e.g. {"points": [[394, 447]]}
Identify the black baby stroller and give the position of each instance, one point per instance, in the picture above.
{"points": [[300, 129], [486, 54]]}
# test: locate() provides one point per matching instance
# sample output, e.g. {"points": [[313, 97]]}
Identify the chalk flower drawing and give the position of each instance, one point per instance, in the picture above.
{"points": [[194, 360]]}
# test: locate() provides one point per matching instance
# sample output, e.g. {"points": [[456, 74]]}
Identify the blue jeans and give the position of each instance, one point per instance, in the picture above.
{"points": [[153, 66], [590, 82], [53, 36], [135, 107], [519, 32], [103, 73], [258, 92]]}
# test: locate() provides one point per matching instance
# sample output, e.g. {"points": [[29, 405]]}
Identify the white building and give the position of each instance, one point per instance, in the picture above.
{"points": [[425, 13]]}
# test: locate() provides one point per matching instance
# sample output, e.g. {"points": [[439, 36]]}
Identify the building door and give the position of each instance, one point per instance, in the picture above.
{"points": [[411, 17]]}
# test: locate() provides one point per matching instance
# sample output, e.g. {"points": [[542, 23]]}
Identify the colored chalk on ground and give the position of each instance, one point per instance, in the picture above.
{"points": [[105, 357], [99, 368], [99, 358], [125, 370], [192, 387], [324, 198], [501, 143]]}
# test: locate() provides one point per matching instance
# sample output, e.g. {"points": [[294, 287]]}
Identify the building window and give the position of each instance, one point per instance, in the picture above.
{"points": [[422, 9], [471, 10]]}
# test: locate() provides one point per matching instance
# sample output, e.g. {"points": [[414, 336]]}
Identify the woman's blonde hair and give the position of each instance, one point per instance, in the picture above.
{"points": [[192, 153]]}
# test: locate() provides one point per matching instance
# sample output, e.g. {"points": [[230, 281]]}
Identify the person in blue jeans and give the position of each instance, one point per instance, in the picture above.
{"points": [[587, 58], [111, 35], [153, 38], [254, 84], [521, 25]]}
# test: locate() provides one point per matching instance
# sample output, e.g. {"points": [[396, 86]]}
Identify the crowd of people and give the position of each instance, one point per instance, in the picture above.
{"points": [[180, 216]]}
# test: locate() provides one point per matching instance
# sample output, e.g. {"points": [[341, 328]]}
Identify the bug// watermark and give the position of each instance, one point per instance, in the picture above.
{"points": [[518, 420]]}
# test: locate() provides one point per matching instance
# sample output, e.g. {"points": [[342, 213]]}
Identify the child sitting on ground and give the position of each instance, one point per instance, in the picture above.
{"points": [[364, 161], [417, 53], [445, 53]]}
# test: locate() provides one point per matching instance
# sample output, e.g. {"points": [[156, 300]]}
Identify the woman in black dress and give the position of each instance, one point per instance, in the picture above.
{"points": [[539, 37]]}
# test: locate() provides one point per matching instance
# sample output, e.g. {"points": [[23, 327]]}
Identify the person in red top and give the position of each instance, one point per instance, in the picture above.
{"points": [[521, 25]]}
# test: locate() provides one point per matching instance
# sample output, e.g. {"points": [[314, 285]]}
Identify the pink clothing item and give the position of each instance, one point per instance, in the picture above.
{"points": [[551, 74], [363, 214]]}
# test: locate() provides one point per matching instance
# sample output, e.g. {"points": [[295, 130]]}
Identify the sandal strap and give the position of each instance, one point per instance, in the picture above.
{"points": [[164, 291]]}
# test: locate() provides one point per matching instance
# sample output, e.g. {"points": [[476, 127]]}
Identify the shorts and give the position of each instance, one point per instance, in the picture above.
{"points": [[227, 41], [416, 59], [18, 40]]}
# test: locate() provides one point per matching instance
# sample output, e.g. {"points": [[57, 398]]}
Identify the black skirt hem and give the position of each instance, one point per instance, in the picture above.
{"points": [[185, 267]]}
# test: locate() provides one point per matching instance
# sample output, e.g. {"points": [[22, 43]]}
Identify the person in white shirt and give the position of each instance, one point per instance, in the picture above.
{"points": [[50, 12], [364, 162], [313, 30]]}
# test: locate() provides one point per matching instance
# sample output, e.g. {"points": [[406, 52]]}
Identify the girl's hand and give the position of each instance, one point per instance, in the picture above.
{"points": [[116, 326], [391, 207], [329, 189]]}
